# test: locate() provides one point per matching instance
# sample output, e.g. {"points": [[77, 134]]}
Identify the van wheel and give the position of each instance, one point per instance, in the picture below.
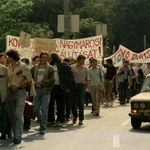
{"points": [[136, 123]]}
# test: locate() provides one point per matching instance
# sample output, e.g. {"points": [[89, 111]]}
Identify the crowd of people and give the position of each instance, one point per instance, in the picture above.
{"points": [[67, 82]]}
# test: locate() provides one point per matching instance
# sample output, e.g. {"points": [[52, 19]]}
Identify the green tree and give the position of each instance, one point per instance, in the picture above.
{"points": [[14, 18]]}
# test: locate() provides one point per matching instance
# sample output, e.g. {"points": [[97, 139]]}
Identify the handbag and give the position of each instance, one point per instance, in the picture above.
{"points": [[100, 86], [28, 111]]}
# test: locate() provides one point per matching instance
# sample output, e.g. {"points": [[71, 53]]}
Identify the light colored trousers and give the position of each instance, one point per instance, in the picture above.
{"points": [[96, 98], [16, 109]]}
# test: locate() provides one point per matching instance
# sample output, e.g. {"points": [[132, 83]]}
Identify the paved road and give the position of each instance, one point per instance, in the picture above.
{"points": [[110, 131]]}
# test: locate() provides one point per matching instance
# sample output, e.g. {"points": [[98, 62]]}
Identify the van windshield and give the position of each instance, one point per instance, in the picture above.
{"points": [[146, 85]]}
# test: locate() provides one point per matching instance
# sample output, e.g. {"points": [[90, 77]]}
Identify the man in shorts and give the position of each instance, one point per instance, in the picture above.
{"points": [[109, 80]]}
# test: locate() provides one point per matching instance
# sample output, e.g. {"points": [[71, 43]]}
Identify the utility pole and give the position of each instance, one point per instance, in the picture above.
{"points": [[144, 42], [66, 20]]}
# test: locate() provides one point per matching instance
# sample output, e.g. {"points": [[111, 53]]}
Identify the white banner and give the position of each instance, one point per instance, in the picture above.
{"points": [[12, 42], [89, 47], [143, 57]]}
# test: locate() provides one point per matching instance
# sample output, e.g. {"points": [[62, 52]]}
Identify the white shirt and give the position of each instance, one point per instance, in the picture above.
{"points": [[57, 82], [146, 71]]}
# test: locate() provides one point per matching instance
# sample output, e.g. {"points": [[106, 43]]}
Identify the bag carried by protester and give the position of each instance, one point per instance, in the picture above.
{"points": [[28, 111], [100, 86]]}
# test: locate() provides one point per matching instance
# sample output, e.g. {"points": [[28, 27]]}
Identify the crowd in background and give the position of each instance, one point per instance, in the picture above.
{"points": [[67, 82]]}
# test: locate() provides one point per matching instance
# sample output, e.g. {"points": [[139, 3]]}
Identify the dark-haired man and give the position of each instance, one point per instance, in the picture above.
{"points": [[5, 125], [25, 60], [67, 60], [64, 83], [43, 76], [109, 80], [19, 76], [125, 77], [36, 60], [80, 73]]}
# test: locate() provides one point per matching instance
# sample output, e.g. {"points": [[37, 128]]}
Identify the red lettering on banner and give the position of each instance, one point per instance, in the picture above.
{"points": [[72, 53], [71, 46], [100, 50], [68, 54], [144, 54], [77, 44], [92, 43], [134, 57], [85, 53], [80, 53], [15, 43], [94, 52], [123, 53], [97, 42], [140, 56], [83, 45], [90, 54], [148, 54], [11, 41], [100, 41], [127, 55], [76, 54], [62, 54], [87, 43], [62, 43]]}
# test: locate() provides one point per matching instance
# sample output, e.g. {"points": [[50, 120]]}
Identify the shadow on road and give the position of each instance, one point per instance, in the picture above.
{"points": [[143, 129]]}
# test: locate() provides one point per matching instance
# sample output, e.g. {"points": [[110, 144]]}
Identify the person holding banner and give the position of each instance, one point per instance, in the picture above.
{"points": [[125, 78], [109, 78]]}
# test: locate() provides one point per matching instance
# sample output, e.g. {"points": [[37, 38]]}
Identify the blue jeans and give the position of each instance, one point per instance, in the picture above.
{"points": [[78, 96], [41, 103]]}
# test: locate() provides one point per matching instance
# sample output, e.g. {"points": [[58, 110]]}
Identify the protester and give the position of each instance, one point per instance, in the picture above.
{"points": [[67, 95], [109, 78], [125, 77], [96, 76], [19, 76], [146, 70], [36, 60], [43, 76], [63, 84], [5, 125], [73, 61], [27, 122], [139, 76], [88, 94], [67, 60], [81, 77], [133, 91], [26, 61]]}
